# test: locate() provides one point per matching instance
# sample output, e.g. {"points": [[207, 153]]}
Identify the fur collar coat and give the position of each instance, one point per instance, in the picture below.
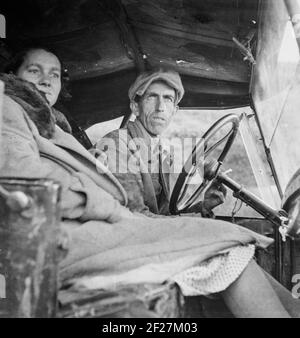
{"points": [[35, 104]]}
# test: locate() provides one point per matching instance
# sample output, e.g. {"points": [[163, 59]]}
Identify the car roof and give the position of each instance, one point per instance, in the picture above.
{"points": [[106, 43]]}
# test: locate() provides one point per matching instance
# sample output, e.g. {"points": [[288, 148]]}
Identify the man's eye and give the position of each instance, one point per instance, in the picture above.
{"points": [[151, 97], [169, 99]]}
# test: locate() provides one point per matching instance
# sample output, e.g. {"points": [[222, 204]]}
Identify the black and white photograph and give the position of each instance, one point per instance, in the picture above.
{"points": [[149, 161]]}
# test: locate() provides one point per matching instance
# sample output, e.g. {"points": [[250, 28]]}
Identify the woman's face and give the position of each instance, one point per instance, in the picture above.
{"points": [[43, 69]]}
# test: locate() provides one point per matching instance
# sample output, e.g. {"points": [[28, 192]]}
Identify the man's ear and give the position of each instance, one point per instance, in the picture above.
{"points": [[134, 106], [176, 108]]}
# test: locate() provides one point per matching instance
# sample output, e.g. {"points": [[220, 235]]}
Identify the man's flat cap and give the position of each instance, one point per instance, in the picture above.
{"points": [[144, 80]]}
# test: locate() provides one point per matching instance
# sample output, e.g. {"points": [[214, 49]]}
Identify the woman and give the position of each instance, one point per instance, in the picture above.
{"points": [[106, 238]]}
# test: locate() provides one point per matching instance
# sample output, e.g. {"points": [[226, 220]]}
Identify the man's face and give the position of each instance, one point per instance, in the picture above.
{"points": [[156, 107], [44, 70]]}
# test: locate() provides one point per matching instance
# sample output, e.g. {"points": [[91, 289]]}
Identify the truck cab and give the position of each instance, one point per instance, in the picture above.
{"points": [[239, 64]]}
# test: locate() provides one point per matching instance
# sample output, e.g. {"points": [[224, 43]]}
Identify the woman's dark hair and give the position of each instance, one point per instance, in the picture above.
{"points": [[17, 60]]}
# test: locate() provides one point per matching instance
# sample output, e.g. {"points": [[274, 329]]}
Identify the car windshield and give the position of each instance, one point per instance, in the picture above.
{"points": [[246, 161], [276, 88], [246, 165]]}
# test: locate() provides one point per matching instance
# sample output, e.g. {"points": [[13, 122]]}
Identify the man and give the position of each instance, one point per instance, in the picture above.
{"points": [[137, 155]]}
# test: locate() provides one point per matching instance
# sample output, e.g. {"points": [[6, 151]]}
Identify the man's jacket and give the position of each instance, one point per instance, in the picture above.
{"points": [[142, 164]]}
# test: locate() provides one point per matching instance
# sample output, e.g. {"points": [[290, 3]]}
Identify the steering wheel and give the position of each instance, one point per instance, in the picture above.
{"points": [[182, 199]]}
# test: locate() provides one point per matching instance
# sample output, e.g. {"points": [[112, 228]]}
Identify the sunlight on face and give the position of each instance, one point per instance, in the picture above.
{"points": [[157, 107], [43, 69]]}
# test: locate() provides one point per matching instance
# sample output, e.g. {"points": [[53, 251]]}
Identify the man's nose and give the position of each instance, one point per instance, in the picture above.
{"points": [[160, 104]]}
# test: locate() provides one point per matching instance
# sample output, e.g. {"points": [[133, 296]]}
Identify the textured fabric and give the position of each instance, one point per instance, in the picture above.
{"points": [[61, 121], [105, 238], [215, 274], [32, 101], [144, 80], [209, 277], [169, 245], [127, 155], [29, 155]]}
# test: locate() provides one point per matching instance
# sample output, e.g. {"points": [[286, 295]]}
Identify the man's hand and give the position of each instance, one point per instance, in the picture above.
{"points": [[99, 155], [214, 196]]}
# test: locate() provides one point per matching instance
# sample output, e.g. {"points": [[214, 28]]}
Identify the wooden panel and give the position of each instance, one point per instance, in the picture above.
{"points": [[194, 35], [29, 255], [94, 53], [185, 33], [127, 301], [194, 58], [195, 85], [81, 32], [49, 18], [216, 19]]}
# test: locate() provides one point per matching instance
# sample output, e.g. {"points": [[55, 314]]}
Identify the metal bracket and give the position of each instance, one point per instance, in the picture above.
{"points": [[246, 51]]}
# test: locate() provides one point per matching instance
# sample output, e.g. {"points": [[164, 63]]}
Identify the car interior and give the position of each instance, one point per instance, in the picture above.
{"points": [[239, 64]]}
